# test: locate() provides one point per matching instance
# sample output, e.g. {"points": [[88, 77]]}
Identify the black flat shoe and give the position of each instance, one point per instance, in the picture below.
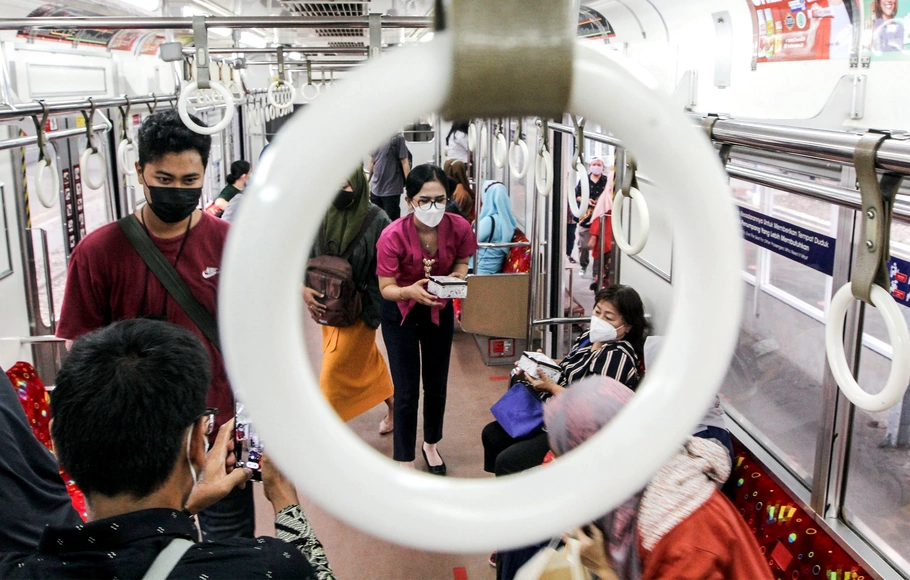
{"points": [[434, 469]]}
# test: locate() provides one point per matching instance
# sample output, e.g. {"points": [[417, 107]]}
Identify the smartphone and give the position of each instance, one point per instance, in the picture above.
{"points": [[247, 444]]}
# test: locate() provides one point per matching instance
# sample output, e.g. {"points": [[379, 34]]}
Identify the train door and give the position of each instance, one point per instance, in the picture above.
{"points": [[56, 221]]}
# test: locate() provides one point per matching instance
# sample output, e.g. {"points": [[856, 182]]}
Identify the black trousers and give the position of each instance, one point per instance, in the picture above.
{"points": [[570, 238], [417, 348], [232, 517], [503, 454], [390, 203]]}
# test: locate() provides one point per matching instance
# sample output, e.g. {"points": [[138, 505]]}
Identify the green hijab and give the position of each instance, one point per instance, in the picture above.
{"points": [[341, 226]]}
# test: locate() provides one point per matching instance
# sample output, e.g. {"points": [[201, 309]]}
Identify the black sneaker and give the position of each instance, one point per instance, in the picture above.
{"points": [[572, 260]]}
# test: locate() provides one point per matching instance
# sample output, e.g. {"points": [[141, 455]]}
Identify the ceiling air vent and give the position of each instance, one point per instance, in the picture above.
{"points": [[328, 8], [342, 44]]}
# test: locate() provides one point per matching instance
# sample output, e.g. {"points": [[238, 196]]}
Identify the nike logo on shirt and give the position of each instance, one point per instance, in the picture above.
{"points": [[209, 272]]}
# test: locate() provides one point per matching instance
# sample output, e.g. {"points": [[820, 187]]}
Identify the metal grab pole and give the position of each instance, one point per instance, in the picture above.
{"points": [[301, 49], [65, 107], [171, 23], [602, 242], [54, 136]]}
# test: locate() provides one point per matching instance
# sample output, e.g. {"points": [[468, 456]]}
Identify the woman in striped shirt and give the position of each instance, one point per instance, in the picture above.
{"points": [[612, 347]]}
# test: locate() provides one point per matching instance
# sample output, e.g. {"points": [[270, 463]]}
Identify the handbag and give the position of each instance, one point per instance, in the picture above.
{"points": [[519, 412], [552, 564], [333, 277]]}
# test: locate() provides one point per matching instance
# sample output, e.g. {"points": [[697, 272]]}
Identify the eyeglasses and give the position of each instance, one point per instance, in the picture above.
{"points": [[210, 413], [426, 204]]}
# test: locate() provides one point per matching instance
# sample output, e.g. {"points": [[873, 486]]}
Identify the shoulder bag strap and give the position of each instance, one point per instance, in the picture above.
{"points": [[169, 278], [367, 221], [167, 559]]}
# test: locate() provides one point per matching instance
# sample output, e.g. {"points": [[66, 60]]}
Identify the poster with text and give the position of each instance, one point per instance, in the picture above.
{"points": [[888, 29], [793, 30]]}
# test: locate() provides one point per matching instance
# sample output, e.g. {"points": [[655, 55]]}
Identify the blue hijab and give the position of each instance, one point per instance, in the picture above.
{"points": [[496, 225]]}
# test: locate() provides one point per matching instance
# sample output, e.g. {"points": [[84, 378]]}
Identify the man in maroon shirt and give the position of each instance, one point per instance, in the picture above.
{"points": [[108, 280]]}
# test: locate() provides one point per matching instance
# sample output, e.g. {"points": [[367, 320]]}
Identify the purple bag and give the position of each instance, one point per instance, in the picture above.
{"points": [[519, 411]]}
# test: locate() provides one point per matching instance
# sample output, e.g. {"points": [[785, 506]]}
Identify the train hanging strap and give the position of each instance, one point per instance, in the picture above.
{"points": [[877, 198], [169, 278]]}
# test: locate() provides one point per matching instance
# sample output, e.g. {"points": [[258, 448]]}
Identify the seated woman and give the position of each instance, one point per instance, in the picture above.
{"points": [[496, 225], [237, 180], [680, 525], [613, 347]]}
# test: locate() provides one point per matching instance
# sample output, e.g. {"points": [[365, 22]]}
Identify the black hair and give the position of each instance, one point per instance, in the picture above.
{"points": [[423, 174], [238, 170], [627, 301], [125, 397], [456, 127], [164, 133]]}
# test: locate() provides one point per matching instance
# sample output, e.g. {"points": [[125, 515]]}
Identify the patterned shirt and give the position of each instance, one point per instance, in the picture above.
{"points": [[125, 546], [615, 359]]}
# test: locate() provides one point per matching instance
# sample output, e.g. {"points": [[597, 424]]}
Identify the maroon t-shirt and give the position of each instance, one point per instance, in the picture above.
{"points": [[108, 281]]}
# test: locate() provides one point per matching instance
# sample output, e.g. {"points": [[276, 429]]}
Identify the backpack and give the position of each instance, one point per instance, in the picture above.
{"points": [[333, 277]]}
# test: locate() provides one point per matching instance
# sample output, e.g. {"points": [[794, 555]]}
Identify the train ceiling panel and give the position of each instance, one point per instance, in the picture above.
{"points": [[328, 8]]}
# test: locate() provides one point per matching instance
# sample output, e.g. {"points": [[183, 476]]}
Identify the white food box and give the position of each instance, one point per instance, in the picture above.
{"points": [[534, 363], [447, 287]]}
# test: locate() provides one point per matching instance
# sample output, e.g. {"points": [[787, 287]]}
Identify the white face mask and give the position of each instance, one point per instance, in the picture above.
{"points": [[597, 170], [601, 330], [430, 217]]}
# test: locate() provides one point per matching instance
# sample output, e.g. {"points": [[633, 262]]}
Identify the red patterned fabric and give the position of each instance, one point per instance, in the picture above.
{"points": [[519, 259], [789, 539], [36, 404]]}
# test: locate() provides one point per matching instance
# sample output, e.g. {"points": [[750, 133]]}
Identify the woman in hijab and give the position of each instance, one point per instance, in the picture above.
{"points": [[457, 171], [354, 375], [680, 526], [496, 225]]}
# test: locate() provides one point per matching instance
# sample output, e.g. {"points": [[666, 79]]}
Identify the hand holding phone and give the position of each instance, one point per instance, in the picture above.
{"points": [[247, 444]]}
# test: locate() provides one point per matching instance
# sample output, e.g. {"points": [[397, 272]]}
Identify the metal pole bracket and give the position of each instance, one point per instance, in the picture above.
{"points": [[512, 57], [41, 136], [579, 153], [125, 119], [201, 40], [871, 266], [89, 117], [629, 178], [280, 65]]}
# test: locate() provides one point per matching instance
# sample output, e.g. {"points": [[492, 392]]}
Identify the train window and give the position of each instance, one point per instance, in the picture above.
{"points": [[419, 132]]}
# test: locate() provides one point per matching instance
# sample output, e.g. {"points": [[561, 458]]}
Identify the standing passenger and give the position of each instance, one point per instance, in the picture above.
{"points": [[416, 324], [495, 226], [597, 182], [457, 142], [389, 167], [354, 376], [109, 281], [237, 180]]}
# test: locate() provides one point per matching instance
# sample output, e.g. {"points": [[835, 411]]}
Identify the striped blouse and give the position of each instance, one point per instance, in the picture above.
{"points": [[615, 359]]}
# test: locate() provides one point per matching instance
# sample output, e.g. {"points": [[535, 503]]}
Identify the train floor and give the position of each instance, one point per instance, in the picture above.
{"points": [[353, 554]]}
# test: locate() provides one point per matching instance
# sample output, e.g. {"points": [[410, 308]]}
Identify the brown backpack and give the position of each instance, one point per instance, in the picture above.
{"points": [[333, 277]]}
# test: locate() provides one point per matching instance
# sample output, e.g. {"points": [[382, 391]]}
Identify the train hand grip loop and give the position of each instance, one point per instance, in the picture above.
{"points": [[577, 208], [500, 148], [126, 140], [45, 162], [543, 174], [288, 97], [519, 144], [630, 189], [871, 283], [91, 150], [259, 302], [472, 137], [226, 118], [309, 91]]}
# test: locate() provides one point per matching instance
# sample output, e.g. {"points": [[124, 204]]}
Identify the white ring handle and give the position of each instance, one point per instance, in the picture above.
{"points": [[83, 164], [500, 150], [472, 137], [45, 199], [482, 143], [543, 172], [577, 209], [514, 161], [896, 385], [225, 122], [309, 95], [644, 222], [123, 157], [288, 96], [265, 353]]}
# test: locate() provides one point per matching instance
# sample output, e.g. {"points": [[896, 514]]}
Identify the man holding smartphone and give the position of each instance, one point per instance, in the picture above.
{"points": [[108, 280]]}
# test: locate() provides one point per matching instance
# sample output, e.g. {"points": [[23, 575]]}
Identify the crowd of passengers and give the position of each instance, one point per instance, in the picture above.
{"points": [[143, 411]]}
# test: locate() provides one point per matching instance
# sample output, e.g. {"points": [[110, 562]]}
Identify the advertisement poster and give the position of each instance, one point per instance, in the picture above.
{"points": [[888, 24], [125, 39], [593, 26], [87, 36], [793, 30], [150, 44]]}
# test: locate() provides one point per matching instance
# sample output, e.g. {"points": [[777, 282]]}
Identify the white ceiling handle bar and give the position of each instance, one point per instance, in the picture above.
{"points": [[259, 302], [899, 335], [543, 173], [500, 150], [127, 167], [47, 199], [288, 97], [514, 161], [578, 208], [472, 137], [226, 118], [644, 221], [83, 165]]}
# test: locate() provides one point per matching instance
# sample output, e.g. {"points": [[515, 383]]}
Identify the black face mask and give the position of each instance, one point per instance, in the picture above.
{"points": [[344, 199], [173, 204]]}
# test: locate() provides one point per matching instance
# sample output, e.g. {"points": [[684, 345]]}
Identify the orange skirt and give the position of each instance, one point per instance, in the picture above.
{"points": [[354, 375]]}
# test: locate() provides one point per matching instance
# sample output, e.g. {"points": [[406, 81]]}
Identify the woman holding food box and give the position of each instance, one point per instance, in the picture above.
{"points": [[612, 347], [417, 314]]}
